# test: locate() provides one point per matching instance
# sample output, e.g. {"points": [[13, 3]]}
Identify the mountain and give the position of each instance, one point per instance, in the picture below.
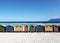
{"points": [[58, 19]]}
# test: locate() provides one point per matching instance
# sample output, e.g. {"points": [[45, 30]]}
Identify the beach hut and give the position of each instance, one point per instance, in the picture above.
{"points": [[39, 28], [55, 28], [9, 28], [48, 28], [59, 29], [32, 28], [18, 28], [2, 28], [26, 28]]}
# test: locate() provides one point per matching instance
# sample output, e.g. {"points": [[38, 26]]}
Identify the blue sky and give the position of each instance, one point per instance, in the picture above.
{"points": [[29, 10]]}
